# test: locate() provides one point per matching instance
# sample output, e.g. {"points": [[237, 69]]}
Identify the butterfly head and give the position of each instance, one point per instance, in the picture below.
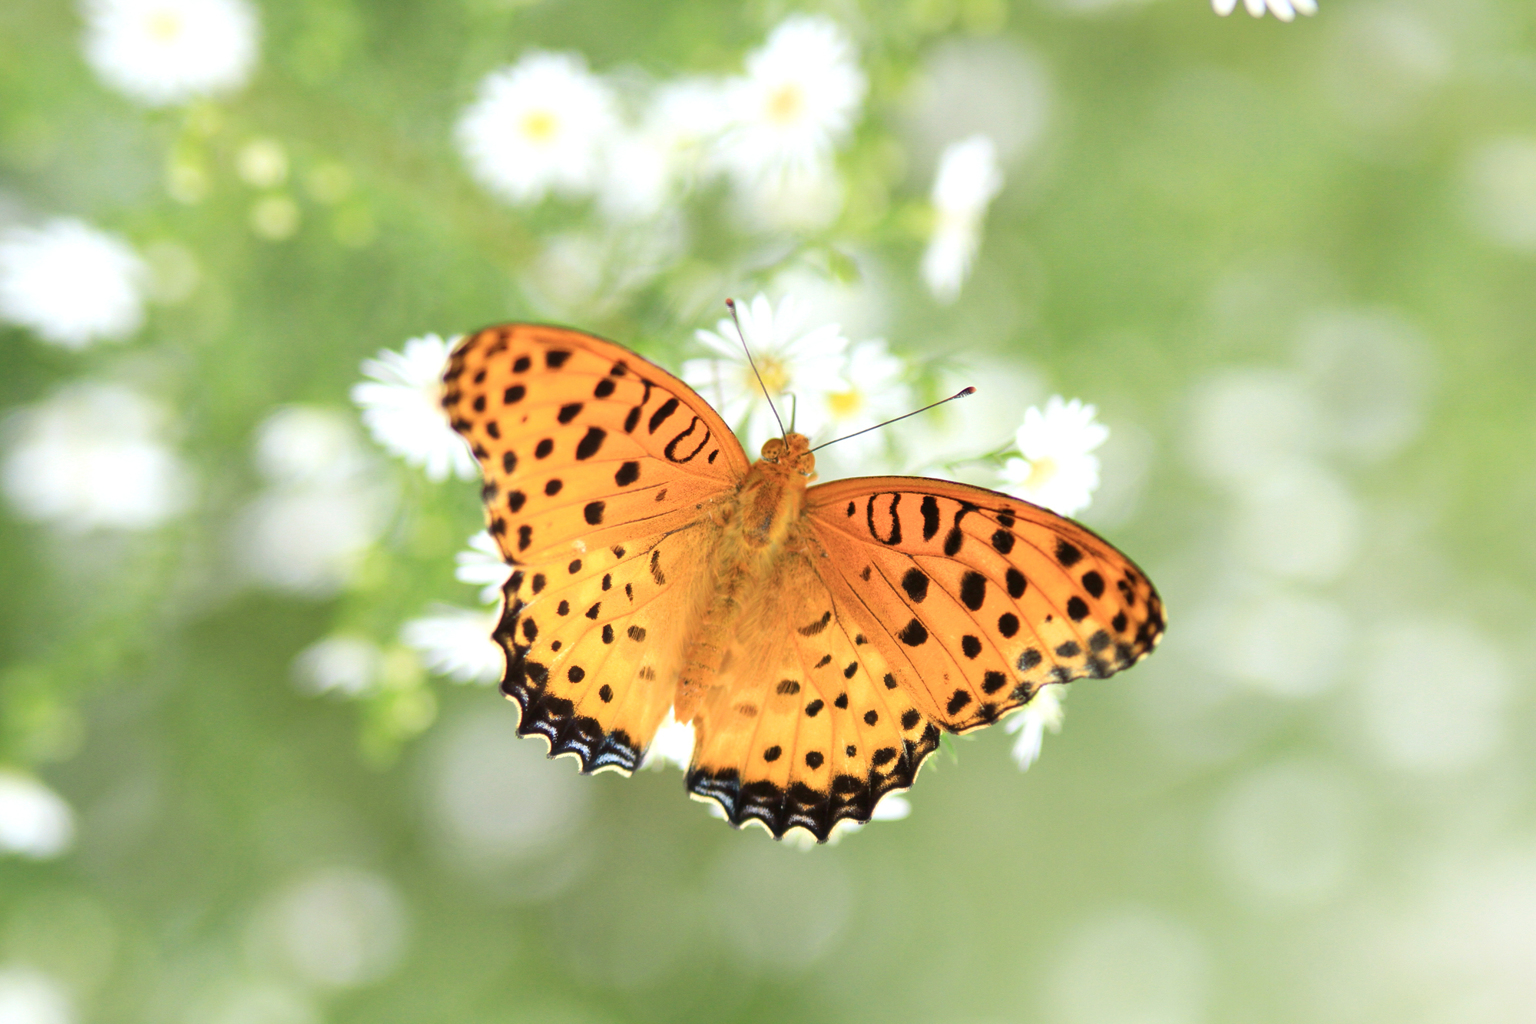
{"points": [[792, 451]]}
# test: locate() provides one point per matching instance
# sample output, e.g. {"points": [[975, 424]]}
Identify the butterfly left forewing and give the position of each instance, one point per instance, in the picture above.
{"points": [[979, 598], [582, 442]]}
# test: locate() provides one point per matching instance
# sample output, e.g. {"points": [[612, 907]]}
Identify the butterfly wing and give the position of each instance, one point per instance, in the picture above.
{"points": [[976, 597], [600, 469], [809, 727]]}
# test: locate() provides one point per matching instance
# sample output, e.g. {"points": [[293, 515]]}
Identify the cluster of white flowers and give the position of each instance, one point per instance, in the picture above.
{"points": [[813, 375], [163, 52], [71, 284], [968, 179], [400, 404], [790, 360], [1285, 10], [548, 124], [94, 456]]}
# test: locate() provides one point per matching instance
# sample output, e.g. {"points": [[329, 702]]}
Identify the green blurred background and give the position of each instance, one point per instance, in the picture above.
{"points": [[1294, 266]]}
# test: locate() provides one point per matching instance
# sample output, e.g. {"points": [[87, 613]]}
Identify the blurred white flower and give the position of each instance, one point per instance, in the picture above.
{"points": [[688, 115], [308, 530], [456, 642], [1044, 711], [967, 180], [799, 199], [159, 52], [28, 996], [799, 98], [1058, 470], [35, 821], [341, 928], [401, 409], [93, 457], [637, 176], [672, 744], [346, 665], [808, 364], [539, 126], [645, 167], [483, 564], [71, 284], [301, 445], [1285, 10]]}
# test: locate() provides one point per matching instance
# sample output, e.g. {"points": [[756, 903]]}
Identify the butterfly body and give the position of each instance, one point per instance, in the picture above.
{"points": [[760, 528], [819, 639]]}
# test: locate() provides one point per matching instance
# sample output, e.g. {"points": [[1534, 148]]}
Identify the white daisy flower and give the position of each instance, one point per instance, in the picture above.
{"points": [[799, 98], [1058, 470], [401, 408], [28, 996], [94, 457], [348, 665], [71, 284], [967, 180], [1285, 10], [672, 744], [160, 52], [539, 126], [456, 642], [35, 821], [807, 364], [876, 391], [483, 564], [1044, 711]]}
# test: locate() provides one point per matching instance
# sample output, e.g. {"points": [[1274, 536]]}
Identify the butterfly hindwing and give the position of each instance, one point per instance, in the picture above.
{"points": [[597, 464], [981, 596], [594, 644], [813, 726]]}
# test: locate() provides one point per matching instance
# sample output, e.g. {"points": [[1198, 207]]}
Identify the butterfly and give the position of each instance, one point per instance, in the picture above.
{"points": [[819, 638]]}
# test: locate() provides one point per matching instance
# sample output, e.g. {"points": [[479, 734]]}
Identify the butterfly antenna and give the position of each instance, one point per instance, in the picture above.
{"points": [[730, 304], [932, 405]]}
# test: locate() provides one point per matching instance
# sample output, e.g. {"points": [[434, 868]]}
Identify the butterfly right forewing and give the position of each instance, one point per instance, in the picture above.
{"points": [[978, 597]]}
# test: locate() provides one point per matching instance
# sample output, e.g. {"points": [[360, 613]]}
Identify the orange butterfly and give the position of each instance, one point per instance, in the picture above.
{"points": [[818, 638]]}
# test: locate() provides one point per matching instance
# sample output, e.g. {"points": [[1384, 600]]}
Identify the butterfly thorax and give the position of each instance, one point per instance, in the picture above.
{"points": [[761, 526]]}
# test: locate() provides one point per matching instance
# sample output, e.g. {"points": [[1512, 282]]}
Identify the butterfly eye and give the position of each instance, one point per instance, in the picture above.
{"points": [[805, 465], [773, 449]]}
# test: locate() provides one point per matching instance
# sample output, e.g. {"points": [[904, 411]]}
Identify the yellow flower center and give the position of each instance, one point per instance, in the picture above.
{"points": [[845, 403], [540, 125], [1040, 472], [785, 104], [164, 26], [775, 375]]}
